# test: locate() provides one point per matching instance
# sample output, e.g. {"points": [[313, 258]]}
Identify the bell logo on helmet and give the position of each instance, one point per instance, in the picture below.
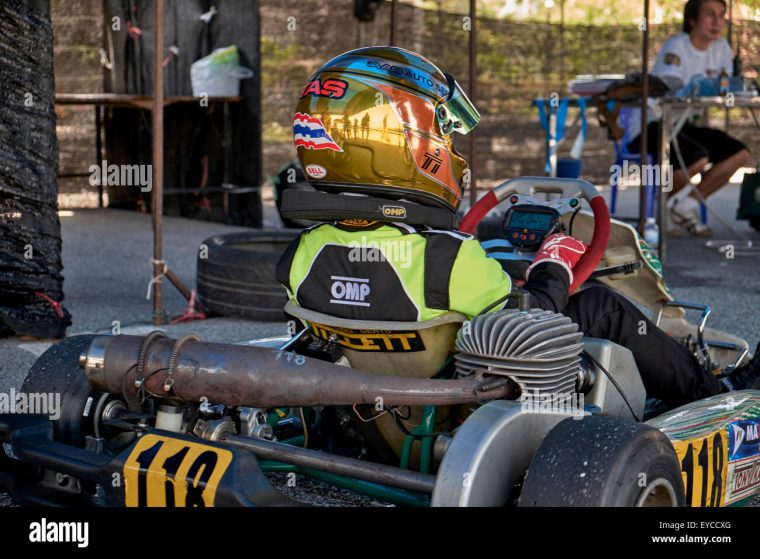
{"points": [[316, 171], [333, 88], [394, 211], [310, 133], [349, 291]]}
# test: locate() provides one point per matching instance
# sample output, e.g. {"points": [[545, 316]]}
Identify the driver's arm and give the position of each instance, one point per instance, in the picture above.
{"points": [[548, 286], [478, 283]]}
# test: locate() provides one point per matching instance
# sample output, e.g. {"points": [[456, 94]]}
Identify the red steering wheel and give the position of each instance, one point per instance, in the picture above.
{"points": [[590, 260]]}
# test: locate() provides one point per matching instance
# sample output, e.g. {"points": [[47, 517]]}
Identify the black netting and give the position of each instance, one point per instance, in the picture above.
{"points": [[30, 242]]}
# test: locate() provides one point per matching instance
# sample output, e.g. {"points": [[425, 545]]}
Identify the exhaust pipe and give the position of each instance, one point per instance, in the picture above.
{"points": [[190, 370]]}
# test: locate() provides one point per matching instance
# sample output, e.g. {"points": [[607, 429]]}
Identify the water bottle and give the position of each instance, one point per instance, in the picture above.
{"points": [[723, 82], [651, 233]]}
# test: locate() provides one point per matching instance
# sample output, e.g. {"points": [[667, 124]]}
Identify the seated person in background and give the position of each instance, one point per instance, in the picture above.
{"points": [[413, 108], [699, 51]]}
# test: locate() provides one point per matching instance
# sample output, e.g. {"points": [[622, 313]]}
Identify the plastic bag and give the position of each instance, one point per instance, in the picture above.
{"points": [[219, 73]]}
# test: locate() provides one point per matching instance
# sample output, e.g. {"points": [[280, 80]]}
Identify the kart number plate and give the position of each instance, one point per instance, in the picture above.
{"points": [[704, 465], [167, 472]]}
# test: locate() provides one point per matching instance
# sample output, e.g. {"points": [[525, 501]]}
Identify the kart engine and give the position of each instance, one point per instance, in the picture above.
{"points": [[538, 349]]}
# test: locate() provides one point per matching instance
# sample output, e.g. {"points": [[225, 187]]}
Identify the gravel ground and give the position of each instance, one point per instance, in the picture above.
{"points": [[318, 494], [106, 257]]}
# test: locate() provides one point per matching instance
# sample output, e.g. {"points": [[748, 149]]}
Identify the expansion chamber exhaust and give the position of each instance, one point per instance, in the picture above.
{"points": [[190, 370]]}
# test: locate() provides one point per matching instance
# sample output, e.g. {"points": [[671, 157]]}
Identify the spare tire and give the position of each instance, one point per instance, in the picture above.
{"points": [[235, 274]]}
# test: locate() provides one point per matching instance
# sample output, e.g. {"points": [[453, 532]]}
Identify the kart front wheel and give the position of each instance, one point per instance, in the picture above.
{"points": [[604, 462]]}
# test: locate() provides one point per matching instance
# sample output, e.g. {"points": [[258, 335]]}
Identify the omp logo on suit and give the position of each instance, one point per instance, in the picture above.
{"points": [[349, 291]]}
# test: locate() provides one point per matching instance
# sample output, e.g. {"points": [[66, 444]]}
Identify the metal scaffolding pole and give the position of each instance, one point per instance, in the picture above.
{"points": [[157, 199], [473, 73], [644, 119], [394, 15]]}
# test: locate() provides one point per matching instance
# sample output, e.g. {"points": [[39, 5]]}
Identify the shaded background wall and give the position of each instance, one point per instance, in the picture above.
{"points": [[77, 38], [517, 61], [194, 151]]}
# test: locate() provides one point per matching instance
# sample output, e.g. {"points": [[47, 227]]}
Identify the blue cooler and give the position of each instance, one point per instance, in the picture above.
{"points": [[569, 168]]}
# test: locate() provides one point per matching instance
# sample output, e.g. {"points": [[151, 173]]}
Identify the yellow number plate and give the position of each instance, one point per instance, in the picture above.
{"points": [[704, 465], [167, 472]]}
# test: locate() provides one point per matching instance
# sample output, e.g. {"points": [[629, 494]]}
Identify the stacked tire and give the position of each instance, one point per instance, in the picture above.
{"points": [[236, 274]]}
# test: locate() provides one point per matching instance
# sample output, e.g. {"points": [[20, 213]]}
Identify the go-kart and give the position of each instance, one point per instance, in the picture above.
{"points": [[514, 407]]}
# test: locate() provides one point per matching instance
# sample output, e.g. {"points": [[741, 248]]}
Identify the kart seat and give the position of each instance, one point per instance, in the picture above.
{"points": [[415, 349]]}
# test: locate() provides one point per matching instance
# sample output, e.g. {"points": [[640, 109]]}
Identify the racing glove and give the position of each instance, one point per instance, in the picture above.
{"points": [[559, 249]]}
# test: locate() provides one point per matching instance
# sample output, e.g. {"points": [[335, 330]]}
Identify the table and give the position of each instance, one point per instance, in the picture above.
{"points": [[145, 102], [671, 127]]}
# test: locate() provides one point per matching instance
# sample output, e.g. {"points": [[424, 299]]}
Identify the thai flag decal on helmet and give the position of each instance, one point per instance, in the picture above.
{"points": [[309, 132]]}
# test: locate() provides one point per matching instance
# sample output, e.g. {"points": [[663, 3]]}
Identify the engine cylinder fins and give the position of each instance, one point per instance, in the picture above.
{"points": [[539, 349]]}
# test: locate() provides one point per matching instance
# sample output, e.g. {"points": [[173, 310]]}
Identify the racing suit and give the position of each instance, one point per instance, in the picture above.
{"points": [[363, 270]]}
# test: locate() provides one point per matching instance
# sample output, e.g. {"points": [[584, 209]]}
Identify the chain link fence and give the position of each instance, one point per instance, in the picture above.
{"points": [[517, 62]]}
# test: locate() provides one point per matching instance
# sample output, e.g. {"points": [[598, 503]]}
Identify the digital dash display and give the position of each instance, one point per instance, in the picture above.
{"points": [[530, 220]]}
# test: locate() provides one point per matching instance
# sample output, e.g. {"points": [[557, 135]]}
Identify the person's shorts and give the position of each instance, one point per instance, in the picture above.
{"points": [[695, 143]]}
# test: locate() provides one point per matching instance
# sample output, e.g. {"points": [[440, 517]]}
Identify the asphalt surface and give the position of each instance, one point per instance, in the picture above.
{"points": [[107, 255], [107, 268], [696, 273]]}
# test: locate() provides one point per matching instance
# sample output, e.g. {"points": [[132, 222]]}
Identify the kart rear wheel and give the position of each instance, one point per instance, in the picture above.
{"points": [[57, 371], [604, 462]]}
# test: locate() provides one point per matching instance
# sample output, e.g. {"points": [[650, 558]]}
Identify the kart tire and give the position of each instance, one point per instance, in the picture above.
{"points": [[755, 222], [58, 371], [235, 275], [603, 462]]}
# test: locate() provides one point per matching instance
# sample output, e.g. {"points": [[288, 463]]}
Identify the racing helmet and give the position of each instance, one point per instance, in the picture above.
{"points": [[378, 121]]}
